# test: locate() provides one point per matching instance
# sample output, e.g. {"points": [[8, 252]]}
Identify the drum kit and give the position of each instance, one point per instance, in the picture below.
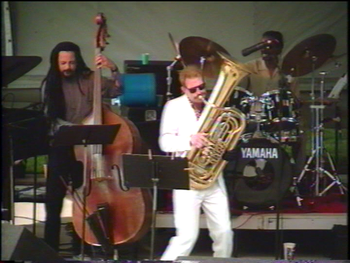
{"points": [[274, 117]]}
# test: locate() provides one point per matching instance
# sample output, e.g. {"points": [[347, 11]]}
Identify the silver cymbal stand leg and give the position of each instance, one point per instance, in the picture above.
{"points": [[169, 78], [297, 180], [319, 151], [312, 94]]}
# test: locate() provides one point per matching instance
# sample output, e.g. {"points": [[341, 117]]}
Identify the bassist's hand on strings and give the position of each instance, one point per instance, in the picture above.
{"points": [[104, 62]]}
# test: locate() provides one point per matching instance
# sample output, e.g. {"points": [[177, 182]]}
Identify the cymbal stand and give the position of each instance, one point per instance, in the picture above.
{"points": [[318, 152], [255, 115], [312, 94], [202, 61], [169, 79]]}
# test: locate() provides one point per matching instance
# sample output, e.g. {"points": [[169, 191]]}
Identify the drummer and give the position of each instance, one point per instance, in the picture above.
{"points": [[266, 74]]}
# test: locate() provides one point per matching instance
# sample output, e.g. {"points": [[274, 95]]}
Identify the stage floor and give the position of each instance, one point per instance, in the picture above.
{"points": [[255, 234]]}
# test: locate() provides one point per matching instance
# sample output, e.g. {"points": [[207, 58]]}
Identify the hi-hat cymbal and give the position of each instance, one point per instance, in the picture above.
{"points": [[14, 67], [308, 55], [194, 50]]}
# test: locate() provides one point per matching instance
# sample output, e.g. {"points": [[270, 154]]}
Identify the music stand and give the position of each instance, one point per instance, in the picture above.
{"points": [[70, 135], [158, 171]]}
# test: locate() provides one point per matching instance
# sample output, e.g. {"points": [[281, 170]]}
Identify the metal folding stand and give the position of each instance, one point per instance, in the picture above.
{"points": [[169, 79], [318, 153], [159, 172], [24, 125], [86, 135]]}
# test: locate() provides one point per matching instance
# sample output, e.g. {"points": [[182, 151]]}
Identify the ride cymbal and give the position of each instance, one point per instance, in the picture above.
{"points": [[201, 51], [315, 51]]}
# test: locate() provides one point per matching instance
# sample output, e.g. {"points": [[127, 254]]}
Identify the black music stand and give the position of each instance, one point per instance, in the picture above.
{"points": [[157, 171], [70, 135]]}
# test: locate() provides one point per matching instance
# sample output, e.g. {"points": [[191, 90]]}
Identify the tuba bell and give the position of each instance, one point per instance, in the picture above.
{"points": [[224, 127]]}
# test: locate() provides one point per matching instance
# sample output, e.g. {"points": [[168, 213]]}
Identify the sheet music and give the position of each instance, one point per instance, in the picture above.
{"points": [[338, 87]]}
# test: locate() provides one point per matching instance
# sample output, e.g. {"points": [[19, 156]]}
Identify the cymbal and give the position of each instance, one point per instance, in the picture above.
{"points": [[313, 50], [194, 49], [14, 67]]}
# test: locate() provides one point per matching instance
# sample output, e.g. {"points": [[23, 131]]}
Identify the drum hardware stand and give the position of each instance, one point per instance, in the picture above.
{"points": [[169, 78], [317, 153], [11, 210], [279, 233], [258, 133], [338, 132]]}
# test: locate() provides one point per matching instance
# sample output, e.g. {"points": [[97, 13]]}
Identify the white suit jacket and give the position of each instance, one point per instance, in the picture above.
{"points": [[178, 123]]}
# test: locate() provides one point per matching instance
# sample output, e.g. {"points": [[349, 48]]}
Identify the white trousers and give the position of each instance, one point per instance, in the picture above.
{"points": [[187, 207]]}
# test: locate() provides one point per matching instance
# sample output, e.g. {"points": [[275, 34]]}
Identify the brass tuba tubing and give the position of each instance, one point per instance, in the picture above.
{"points": [[224, 127]]}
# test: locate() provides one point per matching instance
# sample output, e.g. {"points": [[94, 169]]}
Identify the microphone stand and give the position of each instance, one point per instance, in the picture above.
{"points": [[12, 183], [338, 132], [169, 78], [279, 236]]}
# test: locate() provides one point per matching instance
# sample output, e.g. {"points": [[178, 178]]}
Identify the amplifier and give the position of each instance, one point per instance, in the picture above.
{"points": [[141, 114], [160, 69]]}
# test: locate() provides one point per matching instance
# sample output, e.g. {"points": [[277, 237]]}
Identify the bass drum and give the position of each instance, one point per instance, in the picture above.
{"points": [[263, 173]]}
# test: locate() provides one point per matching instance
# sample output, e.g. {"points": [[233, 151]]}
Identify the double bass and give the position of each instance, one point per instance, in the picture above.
{"points": [[108, 213]]}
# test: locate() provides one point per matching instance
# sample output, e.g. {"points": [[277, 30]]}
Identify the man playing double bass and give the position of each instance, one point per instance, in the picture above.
{"points": [[68, 92]]}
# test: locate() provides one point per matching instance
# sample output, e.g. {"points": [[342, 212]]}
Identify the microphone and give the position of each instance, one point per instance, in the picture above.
{"points": [[247, 51]]}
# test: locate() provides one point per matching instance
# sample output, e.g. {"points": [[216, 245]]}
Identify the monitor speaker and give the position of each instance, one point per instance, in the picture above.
{"points": [[160, 69], [18, 243], [194, 259], [217, 260]]}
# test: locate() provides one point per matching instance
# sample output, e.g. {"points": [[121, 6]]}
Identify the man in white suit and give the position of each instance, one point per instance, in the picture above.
{"points": [[178, 133]]}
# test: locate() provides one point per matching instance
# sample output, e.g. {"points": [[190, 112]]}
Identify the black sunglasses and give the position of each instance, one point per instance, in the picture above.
{"points": [[194, 89]]}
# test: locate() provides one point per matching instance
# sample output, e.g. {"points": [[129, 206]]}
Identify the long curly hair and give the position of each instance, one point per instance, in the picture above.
{"points": [[53, 95]]}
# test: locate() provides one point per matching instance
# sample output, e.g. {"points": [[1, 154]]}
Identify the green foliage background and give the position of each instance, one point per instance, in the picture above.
{"points": [[328, 140]]}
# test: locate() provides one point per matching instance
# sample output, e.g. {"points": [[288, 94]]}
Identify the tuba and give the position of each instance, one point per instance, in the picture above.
{"points": [[224, 127]]}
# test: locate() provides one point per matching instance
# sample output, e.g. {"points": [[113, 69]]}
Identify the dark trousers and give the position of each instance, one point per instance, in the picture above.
{"points": [[62, 165]]}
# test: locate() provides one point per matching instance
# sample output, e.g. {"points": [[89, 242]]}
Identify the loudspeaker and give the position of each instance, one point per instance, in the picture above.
{"points": [[18, 243], [141, 114], [340, 249], [245, 260], [149, 132], [147, 121]]}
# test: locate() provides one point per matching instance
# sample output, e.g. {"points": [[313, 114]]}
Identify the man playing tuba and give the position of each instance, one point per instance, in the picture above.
{"points": [[179, 134]]}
